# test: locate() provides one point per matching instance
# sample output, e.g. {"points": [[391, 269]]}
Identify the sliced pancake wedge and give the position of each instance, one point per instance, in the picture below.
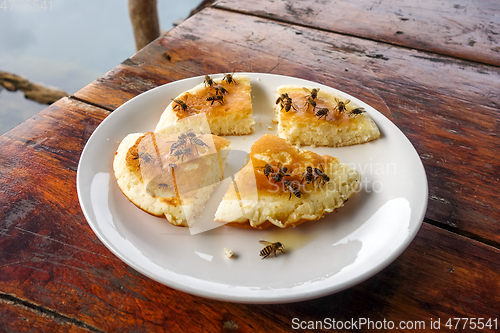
{"points": [[227, 104], [170, 175], [321, 118], [276, 187]]}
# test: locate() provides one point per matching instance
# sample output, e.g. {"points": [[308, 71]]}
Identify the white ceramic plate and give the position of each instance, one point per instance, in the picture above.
{"points": [[322, 257]]}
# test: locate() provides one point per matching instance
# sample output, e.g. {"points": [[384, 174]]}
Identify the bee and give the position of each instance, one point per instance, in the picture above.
{"points": [[182, 152], [280, 173], [323, 112], [229, 78], [308, 175], [268, 170], [180, 104], [285, 102], [310, 102], [144, 157], [293, 188], [181, 141], [196, 141], [356, 112], [219, 90], [214, 98], [208, 81], [271, 248], [313, 94], [341, 106], [321, 176]]}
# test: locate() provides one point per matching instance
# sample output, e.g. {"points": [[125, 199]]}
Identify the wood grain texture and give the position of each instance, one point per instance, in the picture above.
{"points": [[447, 107], [468, 29]]}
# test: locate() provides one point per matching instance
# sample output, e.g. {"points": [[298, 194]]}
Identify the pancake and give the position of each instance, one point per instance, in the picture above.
{"points": [[326, 124], [227, 113], [170, 175], [259, 198]]}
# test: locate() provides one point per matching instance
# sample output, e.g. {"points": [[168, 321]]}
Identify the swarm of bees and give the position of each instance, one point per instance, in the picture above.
{"points": [[180, 147], [271, 248], [285, 102], [313, 175]]}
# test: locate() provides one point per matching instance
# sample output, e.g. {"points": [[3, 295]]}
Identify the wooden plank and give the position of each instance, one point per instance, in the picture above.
{"points": [[468, 29], [20, 318], [448, 108]]}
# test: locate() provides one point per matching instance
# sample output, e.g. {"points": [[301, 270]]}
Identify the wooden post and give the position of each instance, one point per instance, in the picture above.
{"points": [[144, 18]]}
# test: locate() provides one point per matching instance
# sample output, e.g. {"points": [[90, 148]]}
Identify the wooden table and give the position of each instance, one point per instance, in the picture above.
{"points": [[432, 68]]}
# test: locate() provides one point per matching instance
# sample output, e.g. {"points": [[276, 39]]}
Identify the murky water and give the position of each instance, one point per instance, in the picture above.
{"points": [[67, 45]]}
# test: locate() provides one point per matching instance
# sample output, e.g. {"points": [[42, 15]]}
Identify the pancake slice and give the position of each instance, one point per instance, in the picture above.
{"points": [[321, 118], [170, 175], [276, 188], [227, 106]]}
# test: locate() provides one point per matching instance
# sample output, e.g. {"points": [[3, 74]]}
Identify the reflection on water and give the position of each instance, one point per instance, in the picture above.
{"points": [[69, 46]]}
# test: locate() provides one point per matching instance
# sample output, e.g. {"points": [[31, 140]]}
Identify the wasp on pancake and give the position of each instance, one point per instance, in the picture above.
{"points": [[271, 248], [180, 104], [285, 102], [293, 188], [356, 111], [229, 78], [208, 81], [341, 105], [320, 175], [216, 98]]}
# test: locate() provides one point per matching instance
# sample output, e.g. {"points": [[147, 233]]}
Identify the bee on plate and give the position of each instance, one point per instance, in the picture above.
{"points": [[321, 176], [308, 175], [310, 102], [280, 173], [229, 78], [293, 188], [268, 170], [219, 90], [285, 102], [216, 98], [323, 112], [341, 106], [208, 81], [179, 104], [313, 94], [271, 248], [356, 111]]}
